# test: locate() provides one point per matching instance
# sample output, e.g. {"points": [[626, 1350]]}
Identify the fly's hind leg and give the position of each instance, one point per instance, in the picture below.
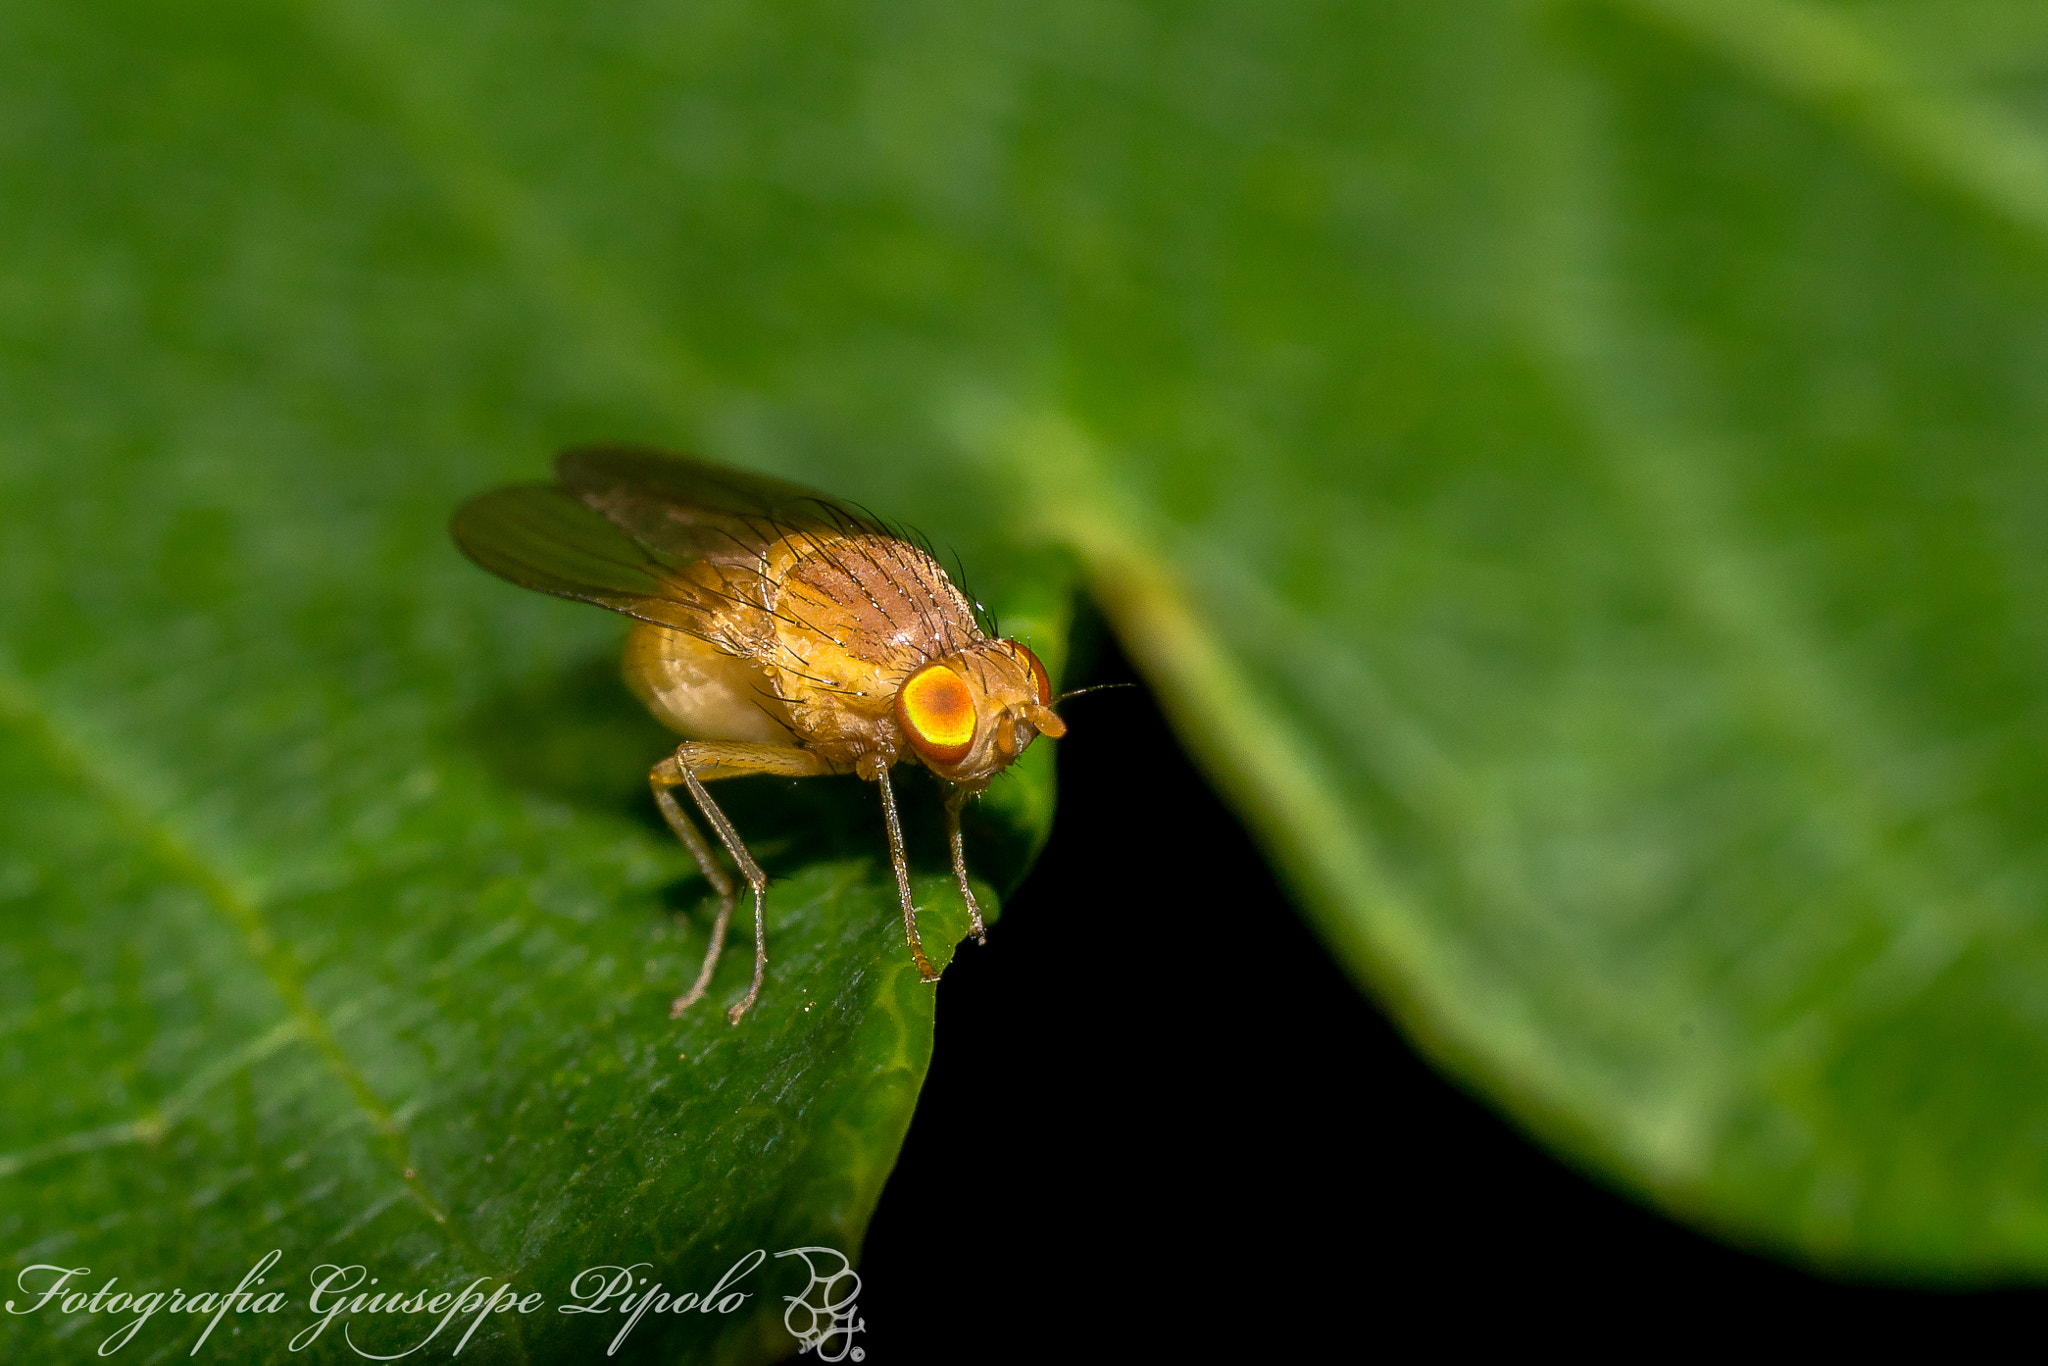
{"points": [[707, 863], [694, 763], [956, 799]]}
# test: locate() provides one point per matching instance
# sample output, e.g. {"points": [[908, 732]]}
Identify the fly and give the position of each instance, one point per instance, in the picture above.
{"points": [[779, 632]]}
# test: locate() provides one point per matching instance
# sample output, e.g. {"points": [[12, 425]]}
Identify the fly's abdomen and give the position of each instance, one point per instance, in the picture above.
{"points": [[700, 691]]}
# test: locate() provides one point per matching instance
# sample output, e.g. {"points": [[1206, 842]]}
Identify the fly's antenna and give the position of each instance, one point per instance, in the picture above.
{"points": [[1093, 687]]}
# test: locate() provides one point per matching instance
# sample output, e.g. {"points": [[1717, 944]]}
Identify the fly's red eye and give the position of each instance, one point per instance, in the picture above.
{"points": [[935, 707], [1037, 674]]}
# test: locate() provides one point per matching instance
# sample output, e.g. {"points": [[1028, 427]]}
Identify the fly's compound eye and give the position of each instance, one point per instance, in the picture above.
{"points": [[1037, 674], [935, 707]]}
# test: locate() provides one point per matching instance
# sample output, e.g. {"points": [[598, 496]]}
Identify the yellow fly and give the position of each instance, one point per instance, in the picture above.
{"points": [[780, 632]]}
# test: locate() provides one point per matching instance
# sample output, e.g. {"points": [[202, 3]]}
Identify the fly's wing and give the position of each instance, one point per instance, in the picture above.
{"points": [[622, 524], [543, 537], [680, 509]]}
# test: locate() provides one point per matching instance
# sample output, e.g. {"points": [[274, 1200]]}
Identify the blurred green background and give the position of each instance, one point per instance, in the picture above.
{"points": [[1573, 473]]}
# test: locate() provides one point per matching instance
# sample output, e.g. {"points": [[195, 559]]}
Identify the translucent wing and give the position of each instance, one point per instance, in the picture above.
{"points": [[541, 536], [681, 509], [621, 524]]}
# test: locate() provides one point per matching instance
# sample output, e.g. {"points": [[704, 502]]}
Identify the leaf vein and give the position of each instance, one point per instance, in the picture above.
{"points": [[67, 755]]}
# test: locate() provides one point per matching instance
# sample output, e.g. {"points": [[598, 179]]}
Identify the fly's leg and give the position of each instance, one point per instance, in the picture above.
{"points": [[688, 767], [954, 801], [686, 831], [876, 771], [669, 774]]}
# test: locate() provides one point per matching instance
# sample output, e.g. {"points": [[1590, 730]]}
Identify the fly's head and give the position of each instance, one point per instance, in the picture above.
{"points": [[970, 716]]}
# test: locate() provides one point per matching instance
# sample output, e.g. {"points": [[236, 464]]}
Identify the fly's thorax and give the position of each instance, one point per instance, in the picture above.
{"points": [[851, 617], [874, 598], [968, 716], [838, 729]]}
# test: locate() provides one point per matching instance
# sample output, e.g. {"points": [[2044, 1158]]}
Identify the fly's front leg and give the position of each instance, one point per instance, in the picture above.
{"points": [[876, 770], [688, 767], [956, 799]]}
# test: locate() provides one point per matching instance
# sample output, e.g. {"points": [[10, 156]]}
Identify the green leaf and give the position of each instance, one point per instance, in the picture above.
{"points": [[335, 915], [1572, 472]]}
